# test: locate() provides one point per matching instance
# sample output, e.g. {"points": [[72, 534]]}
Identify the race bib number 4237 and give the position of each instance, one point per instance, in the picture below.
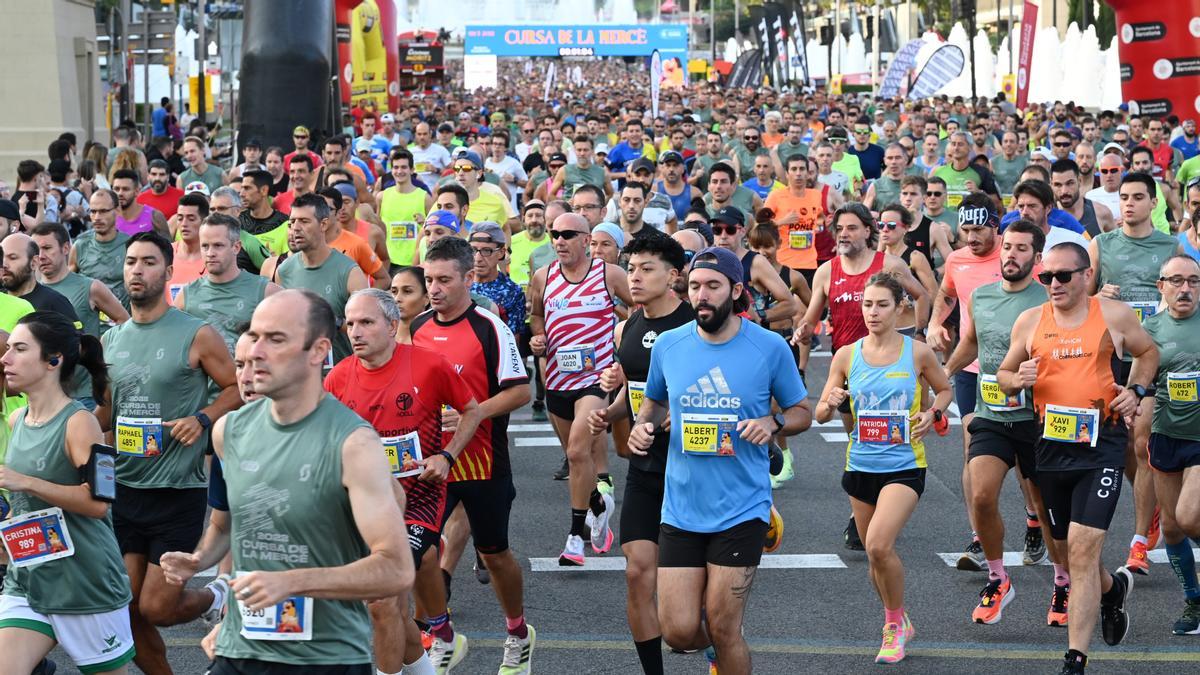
{"points": [[705, 434]]}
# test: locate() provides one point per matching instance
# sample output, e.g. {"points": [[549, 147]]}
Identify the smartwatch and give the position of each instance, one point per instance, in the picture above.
{"points": [[1138, 390], [779, 421], [204, 420]]}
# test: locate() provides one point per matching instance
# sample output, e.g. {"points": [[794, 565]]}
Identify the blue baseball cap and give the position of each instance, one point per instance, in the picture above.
{"points": [[724, 262], [443, 218]]}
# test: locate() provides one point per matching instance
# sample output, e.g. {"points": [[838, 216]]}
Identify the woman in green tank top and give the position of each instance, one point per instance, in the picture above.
{"points": [[66, 584]]}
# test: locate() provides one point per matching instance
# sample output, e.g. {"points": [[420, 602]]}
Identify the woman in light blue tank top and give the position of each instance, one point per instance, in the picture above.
{"points": [[880, 375]]}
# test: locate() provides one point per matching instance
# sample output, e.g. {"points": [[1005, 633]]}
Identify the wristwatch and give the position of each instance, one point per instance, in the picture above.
{"points": [[780, 422], [204, 420], [1138, 390], [449, 457]]}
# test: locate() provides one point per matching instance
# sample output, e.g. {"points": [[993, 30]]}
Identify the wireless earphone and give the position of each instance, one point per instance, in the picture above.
{"points": [[54, 360]]}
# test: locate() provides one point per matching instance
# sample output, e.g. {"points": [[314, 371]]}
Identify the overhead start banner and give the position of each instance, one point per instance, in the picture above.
{"points": [[561, 40]]}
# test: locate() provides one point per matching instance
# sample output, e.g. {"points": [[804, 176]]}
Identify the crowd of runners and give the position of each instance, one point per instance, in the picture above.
{"points": [[299, 369]]}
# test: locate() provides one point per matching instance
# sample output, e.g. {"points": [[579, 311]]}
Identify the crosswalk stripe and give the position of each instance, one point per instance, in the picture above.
{"points": [[544, 427], [806, 561], [835, 436], [1011, 559], [1159, 555], [537, 442]]}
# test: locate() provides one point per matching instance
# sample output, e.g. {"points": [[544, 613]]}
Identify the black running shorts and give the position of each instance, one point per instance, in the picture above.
{"points": [[420, 540], [738, 546], [488, 504], [641, 507], [1085, 496], [225, 666], [865, 487], [154, 521], [1015, 443], [1172, 455], [562, 403]]}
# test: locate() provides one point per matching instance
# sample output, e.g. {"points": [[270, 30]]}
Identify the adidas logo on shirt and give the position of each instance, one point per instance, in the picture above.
{"points": [[710, 391]]}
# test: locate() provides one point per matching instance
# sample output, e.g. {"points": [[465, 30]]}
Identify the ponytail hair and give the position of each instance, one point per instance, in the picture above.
{"points": [[91, 358], [58, 338]]}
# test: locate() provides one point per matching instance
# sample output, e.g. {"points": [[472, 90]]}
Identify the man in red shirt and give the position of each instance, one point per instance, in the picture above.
{"points": [[1163, 152], [300, 169], [160, 194], [400, 390], [300, 138]]}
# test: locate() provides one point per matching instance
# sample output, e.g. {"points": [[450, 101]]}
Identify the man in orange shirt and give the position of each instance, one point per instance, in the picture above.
{"points": [[800, 213], [351, 245]]}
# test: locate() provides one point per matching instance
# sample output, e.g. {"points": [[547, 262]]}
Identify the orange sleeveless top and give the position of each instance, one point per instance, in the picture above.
{"points": [[1077, 365]]}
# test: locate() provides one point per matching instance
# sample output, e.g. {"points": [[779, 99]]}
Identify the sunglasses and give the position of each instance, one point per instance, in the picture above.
{"points": [[1062, 145], [889, 224], [1063, 277], [298, 136], [934, 194], [1108, 171], [725, 229], [464, 167], [862, 131], [749, 138], [564, 234]]}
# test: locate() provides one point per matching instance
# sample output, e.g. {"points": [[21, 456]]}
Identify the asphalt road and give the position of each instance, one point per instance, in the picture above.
{"points": [[820, 618]]}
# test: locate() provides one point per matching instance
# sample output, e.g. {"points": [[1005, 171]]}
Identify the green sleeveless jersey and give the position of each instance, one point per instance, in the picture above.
{"points": [[152, 383], [327, 280], [743, 199], [578, 177], [887, 191], [994, 311], [1133, 264], [785, 151], [103, 260], [90, 581], [1007, 171], [226, 307], [1177, 407], [403, 214], [77, 288], [706, 162], [290, 510]]}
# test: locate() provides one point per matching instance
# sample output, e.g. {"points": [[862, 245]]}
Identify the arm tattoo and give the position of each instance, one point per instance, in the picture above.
{"points": [[741, 587]]}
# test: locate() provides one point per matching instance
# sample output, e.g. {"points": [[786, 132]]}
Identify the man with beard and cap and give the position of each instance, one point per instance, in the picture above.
{"points": [[160, 194], [16, 275], [709, 553], [133, 217], [745, 152], [1065, 179]]}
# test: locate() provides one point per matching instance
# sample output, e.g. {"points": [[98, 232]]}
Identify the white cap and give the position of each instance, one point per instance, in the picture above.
{"points": [[1112, 146], [196, 186], [602, 148], [1045, 154]]}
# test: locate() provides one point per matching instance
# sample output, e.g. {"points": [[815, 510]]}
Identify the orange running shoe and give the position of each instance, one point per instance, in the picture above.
{"points": [[1155, 530], [1137, 561], [1057, 616], [992, 600], [774, 532]]}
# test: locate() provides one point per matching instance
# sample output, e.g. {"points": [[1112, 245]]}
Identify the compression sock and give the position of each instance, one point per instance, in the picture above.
{"points": [[1061, 576], [578, 518], [1183, 561], [996, 570], [439, 627], [895, 616], [650, 654], [517, 626]]}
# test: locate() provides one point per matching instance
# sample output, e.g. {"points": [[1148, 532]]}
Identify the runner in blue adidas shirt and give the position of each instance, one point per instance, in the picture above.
{"points": [[717, 375]]}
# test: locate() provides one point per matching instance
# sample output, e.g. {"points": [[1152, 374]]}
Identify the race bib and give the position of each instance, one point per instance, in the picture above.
{"points": [[139, 436], [576, 358], [1007, 201], [105, 319], [637, 394], [705, 434], [404, 454], [953, 199], [1144, 310], [799, 240], [1071, 425], [402, 231], [288, 620], [37, 537], [1181, 387], [995, 399], [423, 167], [889, 427]]}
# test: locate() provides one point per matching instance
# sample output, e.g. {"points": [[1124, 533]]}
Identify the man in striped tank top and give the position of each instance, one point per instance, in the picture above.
{"points": [[1069, 352], [572, 319]]}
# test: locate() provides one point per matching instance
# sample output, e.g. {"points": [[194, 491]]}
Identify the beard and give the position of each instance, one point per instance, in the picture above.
{"points": [[1021, 273], [149, 294], [16, 278], [720, 314]]}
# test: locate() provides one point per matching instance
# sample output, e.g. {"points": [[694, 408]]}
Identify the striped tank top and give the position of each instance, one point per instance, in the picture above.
{"points": [[579, 328], [882, 401]]}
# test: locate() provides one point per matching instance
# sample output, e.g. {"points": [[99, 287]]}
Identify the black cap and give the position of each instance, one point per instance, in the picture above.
{"points": [[641, 163], [252, 143], [729, 215], [558, 157], [670, 156], [9, 209]]}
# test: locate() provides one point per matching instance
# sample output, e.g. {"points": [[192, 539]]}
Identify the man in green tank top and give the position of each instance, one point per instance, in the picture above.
{"points": [[1003, 431], [313, 534], [100, 252], [318, 268], [402, 208], [886, 189], [225, 296], [713, 152], [584, 171], [724, 191], [1125, 265], [90, 297], [160, 365], [1175, 437]]}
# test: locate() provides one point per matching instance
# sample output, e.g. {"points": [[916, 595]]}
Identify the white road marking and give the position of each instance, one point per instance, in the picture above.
{"points": [[537, 442], [771, 562], [1011, 559], [544, 428]]}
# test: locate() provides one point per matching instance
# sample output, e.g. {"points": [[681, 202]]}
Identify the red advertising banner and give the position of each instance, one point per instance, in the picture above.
{"points": [[1159, 46], [1025, 57]]}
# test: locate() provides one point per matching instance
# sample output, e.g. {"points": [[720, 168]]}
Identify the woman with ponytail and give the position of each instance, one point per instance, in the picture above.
{"points": [[66, 583]]}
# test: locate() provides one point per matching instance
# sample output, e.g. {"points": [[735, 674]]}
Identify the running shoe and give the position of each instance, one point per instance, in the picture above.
{"points": [[774, 532], [910, 631], [1073, 664], [850, 537], [602, 534], [1114, 619], [1035, 546], [1057, 616], [992, 600], [605, 487], [481, 571], [892, 649], [220, 589], [1189, 623], [1155, 529], [426, 640], [518, 653], [710, 653], [1137, 562], [539, 412], [572, 554], [444, 655], [786, 473], [564, 472], [775, 459], [972, 558]]}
